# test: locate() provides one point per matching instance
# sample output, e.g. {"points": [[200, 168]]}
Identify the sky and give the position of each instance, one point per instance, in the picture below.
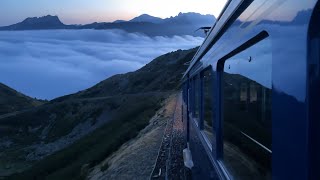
{"points": [[88, 11]]}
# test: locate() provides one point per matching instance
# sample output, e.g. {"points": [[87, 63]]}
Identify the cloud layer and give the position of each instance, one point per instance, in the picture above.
{"points": [[48, 64]]}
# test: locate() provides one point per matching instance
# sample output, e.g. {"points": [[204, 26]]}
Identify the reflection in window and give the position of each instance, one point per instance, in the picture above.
{"points": [[197, 98], [247, 113], [188, 95], [253, 93], [191, 96], [243, 92], [209, 111]]}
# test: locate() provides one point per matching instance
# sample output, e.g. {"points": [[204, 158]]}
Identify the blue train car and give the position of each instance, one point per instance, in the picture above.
{"points": [[252, 92]]}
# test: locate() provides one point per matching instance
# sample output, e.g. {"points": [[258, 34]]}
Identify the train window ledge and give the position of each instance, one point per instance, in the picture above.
{"points": [[206, 139], [195, 120], [217, 166], [224, 170], [205, 142]]}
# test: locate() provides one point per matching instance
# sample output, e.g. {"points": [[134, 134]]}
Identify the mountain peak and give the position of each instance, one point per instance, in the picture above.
{"points": [[144, 23], [191, 14], [192, 18], [33, 23], [188, 13], [145, 15], [181, 18], [48, 19], [146, 18]]}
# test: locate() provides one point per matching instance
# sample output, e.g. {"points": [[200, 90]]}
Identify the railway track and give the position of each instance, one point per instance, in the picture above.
{"points": [[169, 164]]}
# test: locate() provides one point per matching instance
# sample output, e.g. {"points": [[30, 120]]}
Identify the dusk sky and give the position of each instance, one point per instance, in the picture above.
{"points": [[87, 11], [79, 59], [87, 57]]}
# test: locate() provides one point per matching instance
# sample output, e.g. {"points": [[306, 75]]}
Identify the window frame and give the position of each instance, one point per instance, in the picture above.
{"points": [[220, 96], [209, 142]]}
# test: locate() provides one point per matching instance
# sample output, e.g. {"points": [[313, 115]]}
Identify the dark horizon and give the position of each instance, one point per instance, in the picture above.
{"points": [[115, 21], [84, 12]]}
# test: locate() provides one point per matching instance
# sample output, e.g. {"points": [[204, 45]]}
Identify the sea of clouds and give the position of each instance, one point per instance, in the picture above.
{"points": [[50, 63]]}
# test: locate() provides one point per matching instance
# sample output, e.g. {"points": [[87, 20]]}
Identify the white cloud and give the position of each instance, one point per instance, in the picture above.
{"points": [[48, 64]]}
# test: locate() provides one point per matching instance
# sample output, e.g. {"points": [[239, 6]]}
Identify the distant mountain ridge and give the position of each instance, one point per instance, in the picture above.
{"points": [[45, 22], [147, 18], [51, 20], [182, 24], [191, 18], [181, 18]]}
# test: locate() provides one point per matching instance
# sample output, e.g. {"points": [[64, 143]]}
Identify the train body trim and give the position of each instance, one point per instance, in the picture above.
{"points": [[251, 93]]}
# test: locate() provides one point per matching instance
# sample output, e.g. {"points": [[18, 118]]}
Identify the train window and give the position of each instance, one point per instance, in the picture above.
{"points": [[197, 98], [190, 95], [247, 119], [208, 102]]}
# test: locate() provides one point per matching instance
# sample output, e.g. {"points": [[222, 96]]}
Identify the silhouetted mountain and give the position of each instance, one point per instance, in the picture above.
{"points": [[299, 19], [302, 16], [118, 21], [182, 24], [180, 19], [147, 18], [191, 18], [45, 22]]}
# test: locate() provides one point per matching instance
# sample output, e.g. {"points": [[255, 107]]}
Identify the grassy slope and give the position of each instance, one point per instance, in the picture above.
{"points": [[130, 114], [11, 100], [90, 150], [161, 74]]}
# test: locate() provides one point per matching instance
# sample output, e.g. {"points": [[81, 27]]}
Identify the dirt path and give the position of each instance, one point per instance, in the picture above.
{"points": [[136, 158]]}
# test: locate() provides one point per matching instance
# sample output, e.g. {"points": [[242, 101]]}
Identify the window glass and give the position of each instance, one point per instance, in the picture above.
{"points": [[247, 113], [197, 98], [190, 96], [208, 100], [184, 92]]}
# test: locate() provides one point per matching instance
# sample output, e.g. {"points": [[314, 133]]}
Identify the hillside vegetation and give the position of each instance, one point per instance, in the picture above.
{"points": [[11, 100], [162, 74], [65, 137]]}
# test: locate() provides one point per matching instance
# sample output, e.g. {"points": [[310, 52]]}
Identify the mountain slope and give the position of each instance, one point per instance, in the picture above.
{"points": [[191, 19], [45, 22], [182, 24], [161, 74], [62, 138], [11, 100], [146, 18]]}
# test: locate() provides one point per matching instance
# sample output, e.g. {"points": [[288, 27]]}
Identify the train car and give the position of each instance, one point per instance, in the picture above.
{"points": [[251, 93]]}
